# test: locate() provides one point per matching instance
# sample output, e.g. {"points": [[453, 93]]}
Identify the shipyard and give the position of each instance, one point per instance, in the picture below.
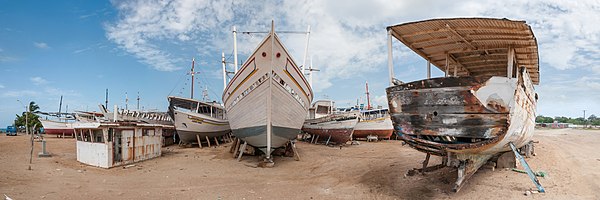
{"points": [[197, 100]]}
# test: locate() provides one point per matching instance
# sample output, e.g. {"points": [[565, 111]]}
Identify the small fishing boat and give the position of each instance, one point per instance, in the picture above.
{"points": [[57, 128], [485, 101], [268, 98], [375, 122], [327, 124], [193, 119]]}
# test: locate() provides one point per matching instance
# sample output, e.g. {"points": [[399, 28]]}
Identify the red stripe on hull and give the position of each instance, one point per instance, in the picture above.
{"points": [[59, 131], [386, 134], [338, 136]]}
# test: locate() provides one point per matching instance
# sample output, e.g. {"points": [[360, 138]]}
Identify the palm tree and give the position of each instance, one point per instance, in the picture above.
{"points": [[32, 119]]}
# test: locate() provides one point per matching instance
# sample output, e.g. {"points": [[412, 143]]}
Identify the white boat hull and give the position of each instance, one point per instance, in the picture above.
{"points": [[269, 90], [189, 125]]}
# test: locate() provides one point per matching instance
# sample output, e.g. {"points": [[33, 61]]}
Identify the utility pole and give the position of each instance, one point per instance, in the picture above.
{"points": [[138, 101], [584, 120], [106, 100], [126, 101]]}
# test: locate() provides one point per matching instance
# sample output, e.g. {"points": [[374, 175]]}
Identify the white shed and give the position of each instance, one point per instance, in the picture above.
{"points": [[111, 144]]}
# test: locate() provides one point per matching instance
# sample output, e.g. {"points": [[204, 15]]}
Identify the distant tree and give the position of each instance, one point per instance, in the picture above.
{"points": [[593, 120], [32, 119], [542, 119]]}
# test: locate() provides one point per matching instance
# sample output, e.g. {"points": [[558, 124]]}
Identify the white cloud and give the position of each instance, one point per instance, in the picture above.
{"points": [[348, 39], [2, 86], [41, 45], [38, 80], [20, 93]]}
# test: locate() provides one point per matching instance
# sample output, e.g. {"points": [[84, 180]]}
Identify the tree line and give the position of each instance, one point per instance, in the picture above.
{"points": [[591, 120]]}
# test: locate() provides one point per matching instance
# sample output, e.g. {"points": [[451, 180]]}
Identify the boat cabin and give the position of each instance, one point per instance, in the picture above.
{"points": [[212, 109], [111, 144]]}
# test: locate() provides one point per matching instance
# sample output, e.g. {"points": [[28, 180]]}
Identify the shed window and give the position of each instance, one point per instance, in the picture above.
{"points": [[86, 136], [78, 134], [98, 136], [147, 132]]}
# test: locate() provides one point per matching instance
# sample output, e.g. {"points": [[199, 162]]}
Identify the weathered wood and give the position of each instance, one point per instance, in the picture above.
{"points": [[199, 141], [425, 163], [232, 148], [208, 141], [216, 141], [296, 154], [237, 148], [312, 138], [242, 149]]}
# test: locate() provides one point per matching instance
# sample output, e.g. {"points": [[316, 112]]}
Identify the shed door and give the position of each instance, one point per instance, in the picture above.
{"points": [[128, 144]]}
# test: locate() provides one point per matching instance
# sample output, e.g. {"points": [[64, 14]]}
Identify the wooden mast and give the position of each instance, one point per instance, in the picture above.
{"points": [[192, 73], [368, 99]]}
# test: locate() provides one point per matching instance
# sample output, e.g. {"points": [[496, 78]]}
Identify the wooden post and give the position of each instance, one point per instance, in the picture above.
{"points": [[237, 147], [317, 139], [233, 147], [199, 141], [327, 143], [208, 141], [425, 163], [312, 138], [242, 149], [216, 141], [296, 154]]}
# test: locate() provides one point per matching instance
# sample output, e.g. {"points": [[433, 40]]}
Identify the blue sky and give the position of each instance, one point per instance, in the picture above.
{"points": [[80, 48]]}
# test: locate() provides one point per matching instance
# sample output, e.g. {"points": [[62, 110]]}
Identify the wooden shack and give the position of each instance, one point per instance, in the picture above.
{"points": [[111, 144]]}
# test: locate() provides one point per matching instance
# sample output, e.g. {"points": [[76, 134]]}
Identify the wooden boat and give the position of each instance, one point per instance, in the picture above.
{"points": [[268, 98], [326, 124], [486, 99], [58, 128], [193, 118], [334, 128], [376, 122]]}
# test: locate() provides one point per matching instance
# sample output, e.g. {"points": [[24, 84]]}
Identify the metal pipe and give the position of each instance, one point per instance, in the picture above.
{"points": [[305, 51], [390, 58], [428, 69], [235, 59]]}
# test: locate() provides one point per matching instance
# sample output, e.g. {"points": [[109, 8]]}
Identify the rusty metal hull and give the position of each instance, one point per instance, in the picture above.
{"points": [[464, 115]]}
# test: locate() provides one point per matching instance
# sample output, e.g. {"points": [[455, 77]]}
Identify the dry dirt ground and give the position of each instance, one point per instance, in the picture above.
{"points": [[365, 171]]}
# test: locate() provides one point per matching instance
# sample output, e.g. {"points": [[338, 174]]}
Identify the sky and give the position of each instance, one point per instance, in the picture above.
{"points": [[78, 49]]}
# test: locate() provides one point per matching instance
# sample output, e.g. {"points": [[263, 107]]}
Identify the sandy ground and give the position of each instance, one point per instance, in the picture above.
{"points": [[365, 171]]}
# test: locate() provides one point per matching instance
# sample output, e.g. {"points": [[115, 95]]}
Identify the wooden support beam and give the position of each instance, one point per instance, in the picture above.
{"points": [[199, 141], [216, 141], [461, 37], [208, 141], [232, 148], [242, 149], [237, 147], [296, 154]]}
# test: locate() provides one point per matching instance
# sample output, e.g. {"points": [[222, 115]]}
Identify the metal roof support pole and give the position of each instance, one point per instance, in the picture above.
{"points": [[509, 66], [447, 64], [235, 60], [390, 58], [428, 69]]}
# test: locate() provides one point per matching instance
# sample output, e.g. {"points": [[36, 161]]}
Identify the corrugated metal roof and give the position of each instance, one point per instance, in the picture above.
{"points": [[477, 46]]}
